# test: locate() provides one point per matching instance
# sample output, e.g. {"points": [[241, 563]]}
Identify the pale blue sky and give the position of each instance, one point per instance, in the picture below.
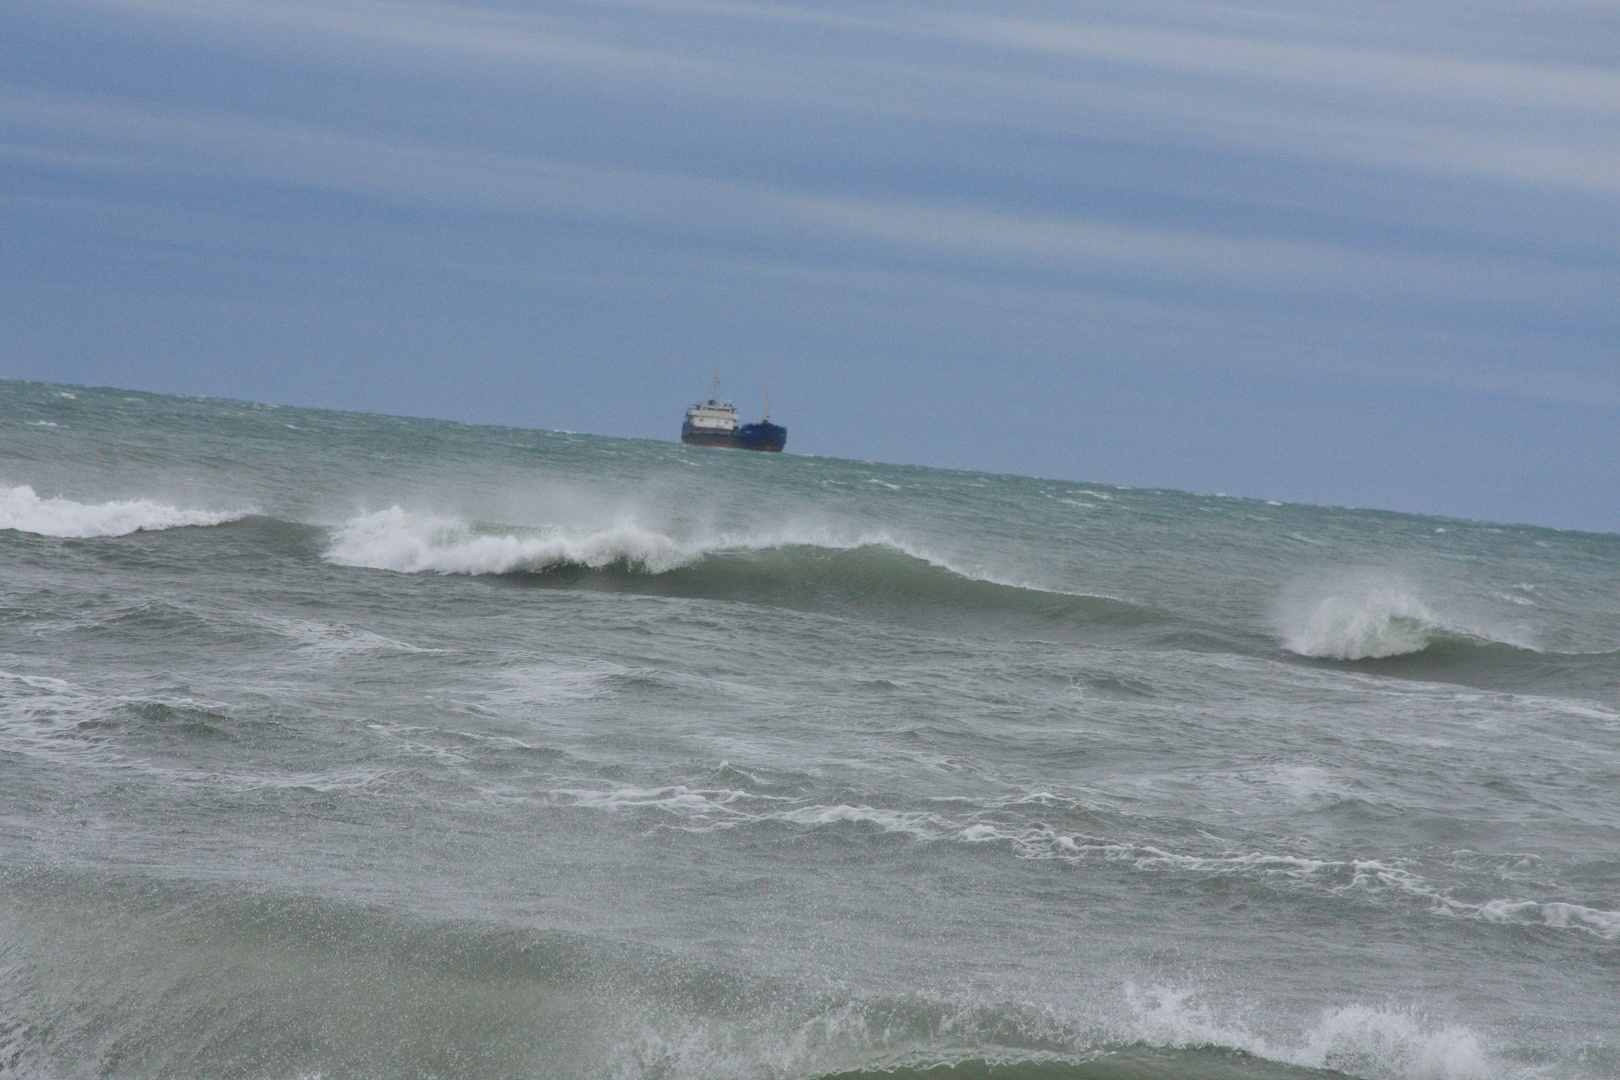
{"points": [[1363, 254]]}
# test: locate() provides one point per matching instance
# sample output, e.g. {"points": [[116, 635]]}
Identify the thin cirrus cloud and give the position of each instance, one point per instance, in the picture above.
{"points": [[148, 141], [1283, 199], [1551, 123]]}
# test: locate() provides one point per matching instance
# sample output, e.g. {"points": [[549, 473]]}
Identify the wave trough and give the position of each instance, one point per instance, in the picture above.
{"points": [[477, 754]]}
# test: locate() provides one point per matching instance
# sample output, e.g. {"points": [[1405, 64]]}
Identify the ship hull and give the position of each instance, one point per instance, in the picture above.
{"points": [[708, 438], [770, 438], [762, 436]]}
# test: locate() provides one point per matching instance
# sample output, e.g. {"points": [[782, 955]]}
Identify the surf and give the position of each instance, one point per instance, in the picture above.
{"points": [[191, 978], [22, 509], [792, 567]]}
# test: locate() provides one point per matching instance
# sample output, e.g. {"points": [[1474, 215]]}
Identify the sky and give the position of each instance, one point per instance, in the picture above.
{"points": [[1360, 254]]}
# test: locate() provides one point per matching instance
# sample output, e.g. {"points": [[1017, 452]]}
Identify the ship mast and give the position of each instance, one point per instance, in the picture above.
{"points": [[767, 404], [714, 398]]}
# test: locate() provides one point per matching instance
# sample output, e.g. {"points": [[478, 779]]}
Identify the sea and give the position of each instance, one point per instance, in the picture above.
{"points": [[342, 745]]}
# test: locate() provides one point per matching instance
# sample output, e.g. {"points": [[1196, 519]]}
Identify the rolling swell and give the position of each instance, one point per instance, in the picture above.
{"points": [[864, 574], [1380, 623], [138, 976], [1496, 665], [867, 574]]}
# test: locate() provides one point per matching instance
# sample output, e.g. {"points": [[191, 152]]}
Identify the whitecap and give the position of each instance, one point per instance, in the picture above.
{"points": [[411, 542], [335, 638], [22, 509], [1355, 1039], [395, 539], [1366, 622], [1372, 614]]}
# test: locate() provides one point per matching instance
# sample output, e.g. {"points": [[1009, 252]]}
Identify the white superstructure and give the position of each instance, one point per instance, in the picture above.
{"points": [[714, 423], [712, 418], [712, 415]]}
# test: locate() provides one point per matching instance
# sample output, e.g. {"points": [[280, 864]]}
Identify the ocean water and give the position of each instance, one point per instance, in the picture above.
{"points": [[355, 746]]}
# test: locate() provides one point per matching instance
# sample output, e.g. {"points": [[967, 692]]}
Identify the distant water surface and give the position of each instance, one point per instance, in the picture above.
{"points": [[357, 746]]}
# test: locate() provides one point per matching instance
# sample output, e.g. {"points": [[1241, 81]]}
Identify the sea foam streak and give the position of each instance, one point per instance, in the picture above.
{"points": [[701, 810], [25, 511]]}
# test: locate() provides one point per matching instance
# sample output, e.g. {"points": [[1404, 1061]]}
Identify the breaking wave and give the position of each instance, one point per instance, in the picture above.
{"points": [[789, 566], [395, 539], [1371, 617], [22, 509], [399, 540], [295, 985]]}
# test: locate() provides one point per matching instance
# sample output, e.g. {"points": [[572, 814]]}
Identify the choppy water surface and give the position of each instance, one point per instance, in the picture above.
{"points": [[370, 747]]}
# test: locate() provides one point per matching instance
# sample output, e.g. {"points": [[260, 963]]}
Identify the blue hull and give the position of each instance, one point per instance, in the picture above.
{"points": [[762, 436]]}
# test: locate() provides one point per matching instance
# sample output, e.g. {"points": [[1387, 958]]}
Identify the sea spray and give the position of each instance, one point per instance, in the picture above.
{"points": [[1355, 616], [393, 539], [22, 509], [476, 752]]}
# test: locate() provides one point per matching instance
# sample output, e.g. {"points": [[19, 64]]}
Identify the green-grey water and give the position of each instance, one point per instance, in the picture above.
{"points": [[359, 746]]}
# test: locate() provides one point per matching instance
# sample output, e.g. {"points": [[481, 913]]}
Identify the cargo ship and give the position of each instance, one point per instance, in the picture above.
{"points": [[714, 423]]}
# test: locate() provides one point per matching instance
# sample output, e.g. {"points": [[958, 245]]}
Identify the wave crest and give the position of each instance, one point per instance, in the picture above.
{"points": [[1373, 624], [22, 509], [1371, 616], [309, 986], [395, 539], [790, 565], [408, 542]]}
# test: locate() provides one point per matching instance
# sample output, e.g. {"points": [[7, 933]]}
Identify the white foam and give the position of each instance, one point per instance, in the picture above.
{"points": [[410, 542], [1365, 622], [1557, 914], [1371, 614], [25, 511], [396, 539], [705, 810], [1303, 784], [1369, 876], [335, 638], [872, 1035], [45, 719], [1359, 1040]]}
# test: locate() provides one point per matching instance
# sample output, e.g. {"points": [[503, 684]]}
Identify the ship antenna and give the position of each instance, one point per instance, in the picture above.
{"points": [[767, 403], [714, 399]]}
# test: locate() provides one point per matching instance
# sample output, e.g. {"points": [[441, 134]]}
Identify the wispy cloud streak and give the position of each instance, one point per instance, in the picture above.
{"points": [[1391, 196]]}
